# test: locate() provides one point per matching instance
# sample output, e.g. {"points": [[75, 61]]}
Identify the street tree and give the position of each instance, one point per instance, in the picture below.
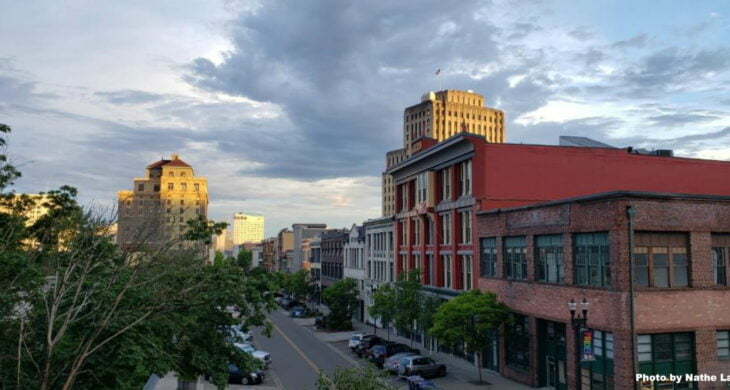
{"points": [[341, 299], [384, 306], [355, 378], [429, 306], [298, 284], [408, 301], [244, 259], [470, 318], [79, 312]]}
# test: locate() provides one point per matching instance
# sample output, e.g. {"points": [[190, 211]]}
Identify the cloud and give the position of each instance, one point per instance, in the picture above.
{"points": [[679, 119], [130, 97]]}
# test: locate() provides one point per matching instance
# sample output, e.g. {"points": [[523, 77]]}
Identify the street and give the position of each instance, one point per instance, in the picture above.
{"points": [[297, 355]]}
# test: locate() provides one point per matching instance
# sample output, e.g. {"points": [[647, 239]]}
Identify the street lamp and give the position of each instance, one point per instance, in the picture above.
{"points": [[579, 323]]}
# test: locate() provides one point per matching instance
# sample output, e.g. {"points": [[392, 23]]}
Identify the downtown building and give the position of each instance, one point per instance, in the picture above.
{"points": [[302, 234], [154, 213], [439, 116], [379, 265], [354, 266], [247, 228], [442, 188], [332, 243]]}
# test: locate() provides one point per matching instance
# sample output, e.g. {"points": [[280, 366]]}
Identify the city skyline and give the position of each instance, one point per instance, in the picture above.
{"points": [[299, 131]]}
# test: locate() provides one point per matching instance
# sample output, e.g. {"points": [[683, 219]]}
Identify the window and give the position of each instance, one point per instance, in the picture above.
{"points": [[403, 233], [140, 187], [421, 187], [445, 229], [182, 202], [183, 186], [488, 260], [171, 174], [591, 259], [417, 231], [549, 258], [196, 187], [666, 353], [660, 260], [446, 184], [723, 347], [404, 263], [466, 271], [465, 219], [404, 197], [182, 174], [517, 343], [446, 262], [515, 264], [157, 188], [170, 186], [720, 255], [465, 178], [598, 374], [429, 231]]}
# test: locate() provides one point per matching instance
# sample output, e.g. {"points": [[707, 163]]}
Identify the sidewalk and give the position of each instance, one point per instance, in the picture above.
{"points": [[461, 373]]}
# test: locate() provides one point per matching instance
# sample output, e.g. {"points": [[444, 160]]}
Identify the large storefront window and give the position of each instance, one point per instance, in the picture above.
{"points": [[518, 342], [549, 258], [660, 260], [488, 260], [515, 263], [666, 353], [598, 374], [591, 258]]}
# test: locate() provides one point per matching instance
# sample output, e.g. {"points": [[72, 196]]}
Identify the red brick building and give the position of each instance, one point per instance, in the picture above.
{"points": [[441, 187], [539, 257]]}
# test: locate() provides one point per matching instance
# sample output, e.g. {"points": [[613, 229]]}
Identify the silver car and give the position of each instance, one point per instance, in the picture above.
{"points": [[391, 363], [263, 357], [420, 365]]}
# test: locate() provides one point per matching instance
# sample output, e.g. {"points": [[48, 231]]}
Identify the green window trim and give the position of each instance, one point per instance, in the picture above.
{"points": [[591, 259], [515, 261], [488, 258], [549, 258]]}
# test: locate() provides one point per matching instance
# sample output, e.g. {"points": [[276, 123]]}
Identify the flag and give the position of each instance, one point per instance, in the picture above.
{"points": [[438, 72]]}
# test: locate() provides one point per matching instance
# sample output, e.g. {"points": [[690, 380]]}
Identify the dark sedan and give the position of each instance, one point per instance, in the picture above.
{"points": [[379, 353], [363, 348]]}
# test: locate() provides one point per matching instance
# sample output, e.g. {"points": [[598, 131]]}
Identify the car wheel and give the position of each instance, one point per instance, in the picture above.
{"points": [[442, 371], [246, 381]]}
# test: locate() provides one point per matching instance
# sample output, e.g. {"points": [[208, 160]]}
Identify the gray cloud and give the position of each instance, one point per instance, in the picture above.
{"points": [[129, 97], [637, 41], [679, 119]]}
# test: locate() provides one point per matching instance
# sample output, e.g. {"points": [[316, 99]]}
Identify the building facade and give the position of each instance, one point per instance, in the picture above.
{"points": [[439, 189], [247, 228], [354, 266], [539, 257], [268, 254], [301, 232], [315, 266], [439, 116], [284, 246], [332, 243], [379, 267], [156, 210]]}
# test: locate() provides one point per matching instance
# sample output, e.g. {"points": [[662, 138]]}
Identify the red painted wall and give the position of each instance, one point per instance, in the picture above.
{"points": [[522, 174]]}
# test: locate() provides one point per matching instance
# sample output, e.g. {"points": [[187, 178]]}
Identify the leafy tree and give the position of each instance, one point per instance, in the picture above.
{"points": [[385, 305], [298, 284], [341, 299], [244, 259], [79, 312], [429, 306], [356, 378], [408, 301], [468, 318]]}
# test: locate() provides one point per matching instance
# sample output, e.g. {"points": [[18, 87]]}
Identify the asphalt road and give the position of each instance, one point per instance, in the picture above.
{"points": [[297, 355]]}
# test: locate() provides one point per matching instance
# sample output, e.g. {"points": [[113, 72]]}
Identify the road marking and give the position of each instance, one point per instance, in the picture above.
{"points": [[275, 377], [299, 351], [349, 359]]}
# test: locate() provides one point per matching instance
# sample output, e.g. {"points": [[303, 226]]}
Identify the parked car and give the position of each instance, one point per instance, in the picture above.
{"points": [[297, 311], [356, 338], [292, 304], [236, 334], [420, 365], [379, 353], [236, 375], [363, 348], [263, 357], [391, 363], [283, 302]]}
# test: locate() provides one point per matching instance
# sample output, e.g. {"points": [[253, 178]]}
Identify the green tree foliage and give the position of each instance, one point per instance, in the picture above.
{"points": [[298, 284], [469, 318], [429, 306], [78, 312], [341, 299], [356, 378], [244, 259], [385, 305], [408, 301]]}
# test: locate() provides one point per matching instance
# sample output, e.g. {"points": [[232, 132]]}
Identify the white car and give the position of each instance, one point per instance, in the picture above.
{"points": [[262, 356], [355, 339], [247, 337]]}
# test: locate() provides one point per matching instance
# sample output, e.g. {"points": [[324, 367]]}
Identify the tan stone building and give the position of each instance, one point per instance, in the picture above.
{"points": [[156, 210], [441, 115]]}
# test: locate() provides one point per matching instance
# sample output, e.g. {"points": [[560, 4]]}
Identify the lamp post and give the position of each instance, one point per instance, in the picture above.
{"points": [[579, 323]]}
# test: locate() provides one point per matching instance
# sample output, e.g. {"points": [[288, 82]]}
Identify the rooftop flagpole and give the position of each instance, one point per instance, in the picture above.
{"points": [[438, 73]]}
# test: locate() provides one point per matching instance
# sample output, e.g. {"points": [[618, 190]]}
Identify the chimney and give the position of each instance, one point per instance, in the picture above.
{"points": [[174, 157]]}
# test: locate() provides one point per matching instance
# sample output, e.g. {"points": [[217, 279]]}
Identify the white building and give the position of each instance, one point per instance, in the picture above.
{"points": [[354, 265], [378, 259], [247, 228], [256, 256]]}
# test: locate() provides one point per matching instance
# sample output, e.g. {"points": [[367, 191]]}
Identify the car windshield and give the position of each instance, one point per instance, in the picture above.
{"points": [[353, 338], [247, 348]]}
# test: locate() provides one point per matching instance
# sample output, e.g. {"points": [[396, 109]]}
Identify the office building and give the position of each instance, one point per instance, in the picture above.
{"points": [[247, 228]]}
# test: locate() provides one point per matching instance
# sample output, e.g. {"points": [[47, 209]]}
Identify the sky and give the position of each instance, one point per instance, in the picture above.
{"points": [[288, 107]]}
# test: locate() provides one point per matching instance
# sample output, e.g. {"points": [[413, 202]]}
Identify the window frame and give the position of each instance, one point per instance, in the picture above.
{"points": [[466, 230], [549, 244], [514, 252], [651, 269], [488, 257], [586, 253]]}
